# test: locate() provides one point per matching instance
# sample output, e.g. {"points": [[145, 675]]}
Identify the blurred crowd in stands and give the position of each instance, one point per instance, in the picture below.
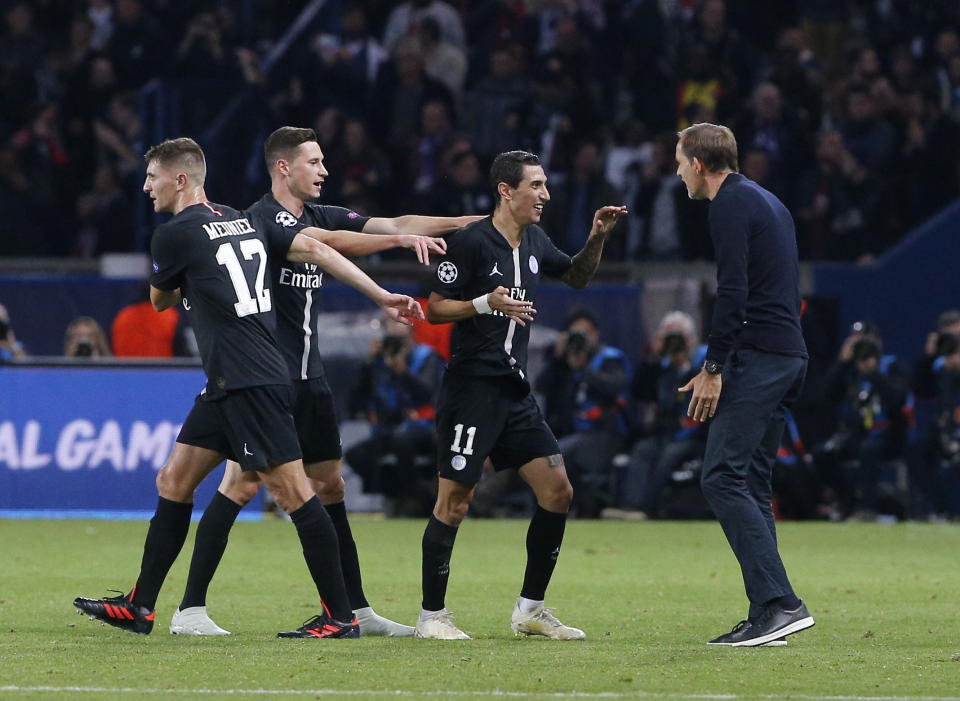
{"points": [[846, 109], [872, 437], [849, 110]]}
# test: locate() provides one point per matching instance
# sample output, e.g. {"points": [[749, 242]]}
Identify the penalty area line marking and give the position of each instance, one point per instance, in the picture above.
{"points": [[445, 693]]}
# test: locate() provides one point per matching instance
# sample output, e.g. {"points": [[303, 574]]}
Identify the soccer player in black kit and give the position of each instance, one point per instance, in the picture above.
{"points": [[295, 162], [214, 260], [757, 356], [487, 284]]}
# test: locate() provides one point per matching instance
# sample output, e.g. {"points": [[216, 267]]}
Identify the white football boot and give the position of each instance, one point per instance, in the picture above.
{"points": [[541, 621], [437, 625], [194, 621], [372, 623]]}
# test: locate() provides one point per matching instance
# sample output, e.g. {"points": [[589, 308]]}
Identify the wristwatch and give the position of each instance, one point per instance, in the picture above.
{"points": [[712, 367]]}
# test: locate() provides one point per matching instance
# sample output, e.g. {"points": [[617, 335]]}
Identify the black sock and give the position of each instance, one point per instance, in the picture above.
{"points": [[209, 544], [319, 540], [544, 537], [789, 602], [165, 537], [349, 560], [438, 540]]}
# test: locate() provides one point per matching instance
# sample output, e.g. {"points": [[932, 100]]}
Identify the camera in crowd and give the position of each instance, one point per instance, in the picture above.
{"points": [[576, 343], [947, 344], [674, 343], [864, 349], [83, 348], [392, 345]]}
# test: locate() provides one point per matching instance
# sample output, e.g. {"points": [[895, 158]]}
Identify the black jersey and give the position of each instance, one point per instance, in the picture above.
{"points": [[478, 260], [219, 260], [294, 283]]}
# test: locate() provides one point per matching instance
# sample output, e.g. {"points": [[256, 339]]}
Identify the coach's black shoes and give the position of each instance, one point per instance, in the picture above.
{"points": [[118, 611], [771, 626], [323, 626], [737, 633]]}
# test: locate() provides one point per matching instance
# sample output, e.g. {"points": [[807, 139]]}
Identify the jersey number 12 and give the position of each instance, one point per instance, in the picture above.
{"points": [[226, 256]]}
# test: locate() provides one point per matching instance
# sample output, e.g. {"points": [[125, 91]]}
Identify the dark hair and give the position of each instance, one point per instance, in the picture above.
{"points": [[578, 314], [283, 142], [508, 168], [184, 152], [713, 144], [865, 348]]}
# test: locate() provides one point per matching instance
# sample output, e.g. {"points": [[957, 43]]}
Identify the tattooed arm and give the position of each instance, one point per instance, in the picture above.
{"points": [[586, 261]]}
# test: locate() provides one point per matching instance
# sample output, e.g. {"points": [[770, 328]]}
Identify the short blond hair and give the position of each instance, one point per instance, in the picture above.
{"points": [[714, 144]]}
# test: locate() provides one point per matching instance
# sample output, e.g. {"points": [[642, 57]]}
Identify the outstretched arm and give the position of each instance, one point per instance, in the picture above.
{"points": [[351, 243], [307, 250], [585, 263], [441, 310], [410, 224]]}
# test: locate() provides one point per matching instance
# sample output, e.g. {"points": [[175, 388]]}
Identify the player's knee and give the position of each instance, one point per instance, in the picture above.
{"points": [[452, 511], [241, 492], [330, 491], [559, 497], [169, 486]]}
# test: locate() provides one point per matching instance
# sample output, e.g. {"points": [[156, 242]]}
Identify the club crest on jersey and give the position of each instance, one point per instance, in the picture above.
{"points": [[458, 462], [447, 272], [284, 218], [534, 265]]}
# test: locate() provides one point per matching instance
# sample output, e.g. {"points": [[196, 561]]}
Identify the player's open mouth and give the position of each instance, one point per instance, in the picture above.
{"points": [[538, 208]]}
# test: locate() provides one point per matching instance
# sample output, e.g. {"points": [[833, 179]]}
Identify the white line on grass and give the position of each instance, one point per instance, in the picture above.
{"points": [[493, 693]]}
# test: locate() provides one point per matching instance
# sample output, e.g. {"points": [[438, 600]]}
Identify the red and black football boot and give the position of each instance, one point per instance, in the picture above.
{"points": [[324, 626], [118, 611]]}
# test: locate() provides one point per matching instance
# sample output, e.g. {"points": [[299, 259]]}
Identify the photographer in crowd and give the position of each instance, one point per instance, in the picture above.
{"points": [[85, 338], [668, 437], [875, 415], [396, 393], [946, 477], [10, 347], [926, 381], [586, 387]]}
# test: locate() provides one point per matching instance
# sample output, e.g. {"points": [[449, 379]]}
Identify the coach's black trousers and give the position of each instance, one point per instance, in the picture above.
{"points": [[742, 445]]}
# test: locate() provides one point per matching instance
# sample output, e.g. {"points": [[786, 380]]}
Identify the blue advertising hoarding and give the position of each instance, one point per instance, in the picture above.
{"points": [[89, 441]]}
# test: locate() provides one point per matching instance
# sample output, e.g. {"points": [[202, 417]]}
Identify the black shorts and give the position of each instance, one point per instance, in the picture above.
{"points": [[495, 417], [316, 420], [252, 426]]}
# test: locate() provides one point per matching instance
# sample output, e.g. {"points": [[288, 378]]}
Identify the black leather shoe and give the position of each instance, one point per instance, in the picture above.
{"points": [[738, 632], [771, 625]]}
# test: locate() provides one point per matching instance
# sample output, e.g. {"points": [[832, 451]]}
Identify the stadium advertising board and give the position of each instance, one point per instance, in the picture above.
{"points": [[88, 442]]}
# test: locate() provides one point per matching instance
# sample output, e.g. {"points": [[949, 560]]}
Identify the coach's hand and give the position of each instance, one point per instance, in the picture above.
{"points": [[517, 309], [706, 393], [423, 246], [402, 308]]}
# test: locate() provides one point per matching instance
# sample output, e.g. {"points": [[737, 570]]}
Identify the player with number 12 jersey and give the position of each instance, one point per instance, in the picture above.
{"points": [[235, 325]]}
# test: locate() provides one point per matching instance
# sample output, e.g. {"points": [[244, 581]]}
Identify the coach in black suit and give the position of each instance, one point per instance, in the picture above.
{"points": [[757, 355]]}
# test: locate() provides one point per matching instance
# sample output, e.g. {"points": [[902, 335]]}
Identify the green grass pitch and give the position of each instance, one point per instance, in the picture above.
{"points": [[885, 598]]}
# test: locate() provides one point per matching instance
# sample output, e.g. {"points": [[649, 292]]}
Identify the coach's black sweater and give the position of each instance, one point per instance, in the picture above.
{"points": [[758, 292]]}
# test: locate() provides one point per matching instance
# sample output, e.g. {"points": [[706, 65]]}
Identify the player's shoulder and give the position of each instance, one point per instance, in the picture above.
{"points": [[536, 234], [267, 212], [328, 216], [473, 234]]}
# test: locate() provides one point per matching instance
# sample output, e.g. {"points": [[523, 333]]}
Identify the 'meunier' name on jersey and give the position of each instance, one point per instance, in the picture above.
{"points": [[235, 227]]}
